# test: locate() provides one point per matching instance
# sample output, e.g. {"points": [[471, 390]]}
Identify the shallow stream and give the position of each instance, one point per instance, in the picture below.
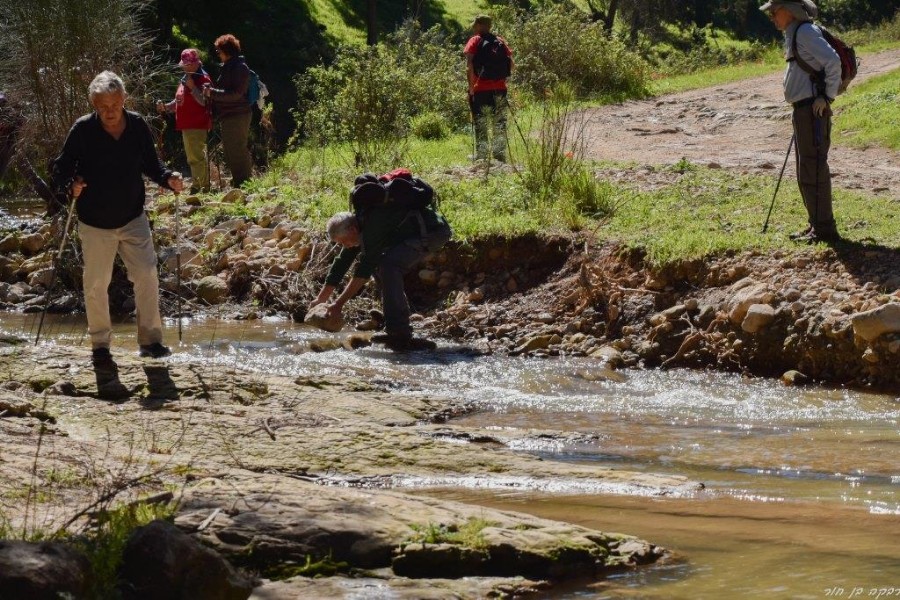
{"points": [[802, 494]]}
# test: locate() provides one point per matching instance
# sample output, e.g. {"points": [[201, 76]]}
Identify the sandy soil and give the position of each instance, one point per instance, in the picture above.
{"points": [[743, 126]]}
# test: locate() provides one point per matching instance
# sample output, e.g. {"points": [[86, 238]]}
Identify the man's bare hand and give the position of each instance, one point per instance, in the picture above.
{"points": [[176, 183], [820, 107], [78, 184]]}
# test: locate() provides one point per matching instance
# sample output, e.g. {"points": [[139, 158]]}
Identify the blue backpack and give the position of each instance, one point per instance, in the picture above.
{"points": [[253, 88]]}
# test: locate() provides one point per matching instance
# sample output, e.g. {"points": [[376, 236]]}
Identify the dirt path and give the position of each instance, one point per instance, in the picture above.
{"points": [[743, 125]]}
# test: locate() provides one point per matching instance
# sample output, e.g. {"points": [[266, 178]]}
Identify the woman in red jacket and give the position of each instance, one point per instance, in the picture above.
{"points": [[192, 117]]}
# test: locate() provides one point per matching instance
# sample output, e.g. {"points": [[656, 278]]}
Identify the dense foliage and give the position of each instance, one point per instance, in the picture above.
{"points": [[561, 45], [53, 49]]}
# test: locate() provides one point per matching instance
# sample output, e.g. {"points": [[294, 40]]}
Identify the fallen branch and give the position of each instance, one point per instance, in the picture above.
{"points": [[208, 520]]}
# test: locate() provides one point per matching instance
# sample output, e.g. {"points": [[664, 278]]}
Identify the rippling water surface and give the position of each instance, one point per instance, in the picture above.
{"points": [[803, 483]]}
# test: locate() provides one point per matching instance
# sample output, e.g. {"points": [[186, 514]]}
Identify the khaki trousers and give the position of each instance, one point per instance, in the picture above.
{"points": [[134, 243], [235, 134], [195, 149]]}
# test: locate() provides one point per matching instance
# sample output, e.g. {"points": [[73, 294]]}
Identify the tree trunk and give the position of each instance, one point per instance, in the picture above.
{"points": [[610, 18], [371, 23]]}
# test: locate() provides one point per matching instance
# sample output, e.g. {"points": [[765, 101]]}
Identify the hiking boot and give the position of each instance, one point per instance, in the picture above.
{"points": [[101, 357], [802, 234], [829, 236], [815, 237], [156, 350]]}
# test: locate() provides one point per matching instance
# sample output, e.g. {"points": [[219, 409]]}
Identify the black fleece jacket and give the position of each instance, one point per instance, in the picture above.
{"points": [[112, 169]]}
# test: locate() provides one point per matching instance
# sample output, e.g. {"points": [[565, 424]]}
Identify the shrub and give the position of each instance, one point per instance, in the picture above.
{"points": [[53, 49], [368, 96], [560, 45], [429, 126]]}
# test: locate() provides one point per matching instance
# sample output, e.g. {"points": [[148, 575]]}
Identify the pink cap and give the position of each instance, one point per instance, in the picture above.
{"points": [[189, 57]]}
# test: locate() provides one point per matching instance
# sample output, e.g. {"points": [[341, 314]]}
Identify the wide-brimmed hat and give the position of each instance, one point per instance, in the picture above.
{"points": [[482, 20], [190, 56], [801, 9]]}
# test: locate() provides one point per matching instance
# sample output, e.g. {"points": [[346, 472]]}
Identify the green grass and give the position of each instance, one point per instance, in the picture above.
{"points": [[706, 212], [468, 534], [715, 211], [869, 113], [718, 75]]}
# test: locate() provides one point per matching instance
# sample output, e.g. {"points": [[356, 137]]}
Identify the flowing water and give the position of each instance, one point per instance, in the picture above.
{"points": [[802, 494]]}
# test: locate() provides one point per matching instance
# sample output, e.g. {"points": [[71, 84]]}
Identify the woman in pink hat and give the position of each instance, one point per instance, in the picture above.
{"points": [[192, 117]]}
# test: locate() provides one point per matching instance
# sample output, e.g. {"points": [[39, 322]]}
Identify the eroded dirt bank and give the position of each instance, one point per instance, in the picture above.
{"points": [[828, 314]]}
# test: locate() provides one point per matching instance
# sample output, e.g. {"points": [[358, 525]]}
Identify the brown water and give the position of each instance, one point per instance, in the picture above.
{"points": [[803, 485]]}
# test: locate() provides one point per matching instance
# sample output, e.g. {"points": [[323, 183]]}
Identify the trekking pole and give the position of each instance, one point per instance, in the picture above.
{"points": [[178, 262], [62, 246], [474, 132], [777, 185]]}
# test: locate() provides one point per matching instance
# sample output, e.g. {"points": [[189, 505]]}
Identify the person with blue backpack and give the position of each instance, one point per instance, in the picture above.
{"points": [[488, 65], [232, 107]]}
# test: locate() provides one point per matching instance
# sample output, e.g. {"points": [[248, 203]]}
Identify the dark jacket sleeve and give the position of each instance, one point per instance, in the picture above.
{"points": [[341, 265], [151, 165], [65, 166]]}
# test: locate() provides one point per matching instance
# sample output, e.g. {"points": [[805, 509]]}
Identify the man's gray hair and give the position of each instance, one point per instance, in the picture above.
{"points": [[340, 224], [106, 82]]}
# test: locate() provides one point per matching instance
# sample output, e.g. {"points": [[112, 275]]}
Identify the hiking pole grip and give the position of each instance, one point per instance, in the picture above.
{"points": [[778, 185]]}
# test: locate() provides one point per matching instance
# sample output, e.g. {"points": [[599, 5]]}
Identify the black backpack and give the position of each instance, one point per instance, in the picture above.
{"points": [[491, 60], [397, 188]]}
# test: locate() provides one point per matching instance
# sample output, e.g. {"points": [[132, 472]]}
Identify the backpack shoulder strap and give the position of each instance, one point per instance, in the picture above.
{"points": [[796, 56]]}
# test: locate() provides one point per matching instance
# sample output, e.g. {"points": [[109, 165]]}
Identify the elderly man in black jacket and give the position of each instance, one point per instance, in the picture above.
{"points": [[102, 165]]}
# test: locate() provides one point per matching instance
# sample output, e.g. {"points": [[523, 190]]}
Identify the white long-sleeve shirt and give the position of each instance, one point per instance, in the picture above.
{"points": [[817, 53]]}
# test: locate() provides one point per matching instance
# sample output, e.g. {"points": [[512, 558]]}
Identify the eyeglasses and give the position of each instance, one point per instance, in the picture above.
{"points": [[774, 11]]}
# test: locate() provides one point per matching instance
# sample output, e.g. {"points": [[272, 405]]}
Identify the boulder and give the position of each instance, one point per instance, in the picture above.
{"points": [[261, 233], [758, 317], [41, 277], [538, 342], [32, 244], [42, 571], [428, 276], [794, 378], [318, 317], [609, 354], [873, 323], [744, 294], [161, 562], [212, 290], [234, 196], [9, 244]]}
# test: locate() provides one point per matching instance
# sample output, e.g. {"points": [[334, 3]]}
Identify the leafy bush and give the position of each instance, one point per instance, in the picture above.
{"points": [[368, 96], [429, 126], [560, 45], [699, 48], [53, 49], [552, 170], [888, 31]]}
